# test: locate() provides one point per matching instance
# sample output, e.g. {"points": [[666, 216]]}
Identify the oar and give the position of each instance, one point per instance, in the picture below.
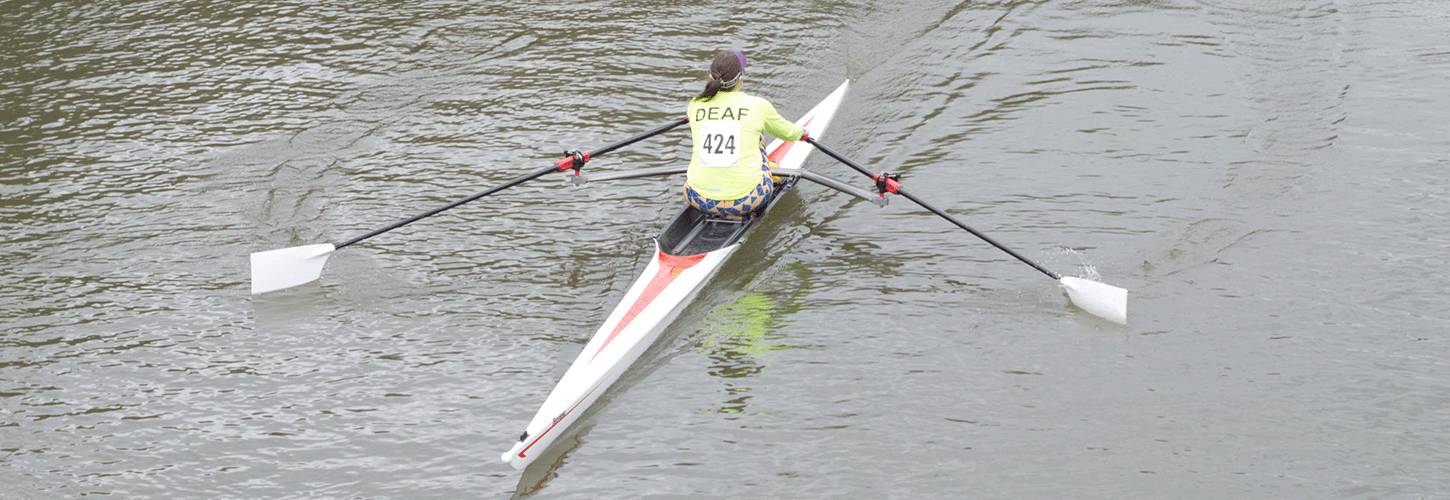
{"points": [[1105, 301], [288, 267]]}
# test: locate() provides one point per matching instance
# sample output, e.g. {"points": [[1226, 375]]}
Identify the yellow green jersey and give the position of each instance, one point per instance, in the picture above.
{"points": [[728, 131]]}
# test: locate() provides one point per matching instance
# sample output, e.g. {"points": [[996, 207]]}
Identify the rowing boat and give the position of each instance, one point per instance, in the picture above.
{"points": [[690, 249]]}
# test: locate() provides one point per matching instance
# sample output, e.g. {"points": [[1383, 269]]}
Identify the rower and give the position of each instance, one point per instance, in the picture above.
{"points": [[729, 173]]}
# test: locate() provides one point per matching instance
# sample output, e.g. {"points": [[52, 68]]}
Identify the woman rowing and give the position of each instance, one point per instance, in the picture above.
{"points": [[729, 174]]}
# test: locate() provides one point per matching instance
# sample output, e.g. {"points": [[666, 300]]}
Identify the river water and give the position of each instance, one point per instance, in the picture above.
{"points": [[1266, 178]]}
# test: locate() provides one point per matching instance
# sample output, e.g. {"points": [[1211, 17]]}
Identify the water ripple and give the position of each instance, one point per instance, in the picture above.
{"points": [[1263, 176]]}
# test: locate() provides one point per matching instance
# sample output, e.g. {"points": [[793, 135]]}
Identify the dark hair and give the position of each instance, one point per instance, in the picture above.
{"points": [[729, 65]]}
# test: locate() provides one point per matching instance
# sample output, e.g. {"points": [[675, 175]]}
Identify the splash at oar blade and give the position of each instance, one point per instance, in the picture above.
{"points": [[1105, 301], [1102, 300], [288, 267]]}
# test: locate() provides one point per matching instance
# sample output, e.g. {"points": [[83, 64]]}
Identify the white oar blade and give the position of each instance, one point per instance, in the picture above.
{"points": [[274, 270], [1104, 301]]}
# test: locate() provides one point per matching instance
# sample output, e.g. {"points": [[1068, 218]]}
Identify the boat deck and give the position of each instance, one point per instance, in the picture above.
{"points": [[692, 232]]}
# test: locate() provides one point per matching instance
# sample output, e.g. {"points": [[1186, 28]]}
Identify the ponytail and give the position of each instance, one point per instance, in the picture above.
{"points": [[727, 63], [712, 86]]}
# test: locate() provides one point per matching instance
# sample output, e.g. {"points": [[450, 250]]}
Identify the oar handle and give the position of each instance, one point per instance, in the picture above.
{"points": [[890, 184], [569, 162]]}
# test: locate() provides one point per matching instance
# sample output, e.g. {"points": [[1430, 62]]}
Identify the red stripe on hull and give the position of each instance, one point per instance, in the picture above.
{"points": [[670, 267], [784, 148]]}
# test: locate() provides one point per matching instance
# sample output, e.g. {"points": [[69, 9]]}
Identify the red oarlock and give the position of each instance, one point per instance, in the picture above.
{"points": [[574, 160]]}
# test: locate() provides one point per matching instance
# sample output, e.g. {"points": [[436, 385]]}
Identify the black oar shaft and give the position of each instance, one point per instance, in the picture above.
{"points": [[528, 177], [902, 191], [658, 130], [531, 176], [833, 154]]}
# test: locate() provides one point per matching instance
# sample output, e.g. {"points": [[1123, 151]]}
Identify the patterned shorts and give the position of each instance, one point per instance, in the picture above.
{"points": [[737, 208]]}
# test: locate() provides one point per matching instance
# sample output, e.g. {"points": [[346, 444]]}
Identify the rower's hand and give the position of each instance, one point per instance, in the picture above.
{"points": [[805, 134]]}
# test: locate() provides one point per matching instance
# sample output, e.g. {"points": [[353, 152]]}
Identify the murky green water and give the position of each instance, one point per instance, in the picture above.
{"points": [[1266, 178]]}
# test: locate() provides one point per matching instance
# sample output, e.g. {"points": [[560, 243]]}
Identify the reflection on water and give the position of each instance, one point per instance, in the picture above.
{"points": [[739, 336], [545, 467]]}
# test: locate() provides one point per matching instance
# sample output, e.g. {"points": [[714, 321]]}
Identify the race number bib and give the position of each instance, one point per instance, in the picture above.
{"points": [[719, 144]]}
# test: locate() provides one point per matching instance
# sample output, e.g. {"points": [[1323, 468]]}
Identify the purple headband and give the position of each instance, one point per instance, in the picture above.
{"points": [[739, 56]]}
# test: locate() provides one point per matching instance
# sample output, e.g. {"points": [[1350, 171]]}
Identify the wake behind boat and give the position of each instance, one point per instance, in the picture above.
{"points": [[690, 249]]}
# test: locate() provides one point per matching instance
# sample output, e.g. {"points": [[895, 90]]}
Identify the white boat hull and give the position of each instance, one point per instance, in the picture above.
{"points": [[652, 302], [649, 306]]}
